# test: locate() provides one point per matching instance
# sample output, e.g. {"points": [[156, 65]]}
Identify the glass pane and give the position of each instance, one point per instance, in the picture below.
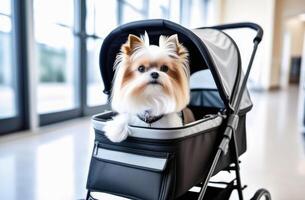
{"points": [[95, 87], [55, 55], [90, 16], [159, 9], [101, 18], [133, 11], [138, 4], [197, 14], [8, 79], [48, 12], [5, 7], [174, 14], [5, 24]]}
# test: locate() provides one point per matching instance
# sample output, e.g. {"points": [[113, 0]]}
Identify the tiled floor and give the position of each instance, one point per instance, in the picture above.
{"points": [[53, 162]]}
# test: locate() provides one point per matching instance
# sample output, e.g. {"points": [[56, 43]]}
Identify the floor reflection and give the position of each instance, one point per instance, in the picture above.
{"points": [[50, 164], [55, 169], [7, 170], [53, 162]]}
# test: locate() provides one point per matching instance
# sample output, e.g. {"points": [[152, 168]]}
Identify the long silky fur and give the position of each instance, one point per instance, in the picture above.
{"points": [[123, 97]]}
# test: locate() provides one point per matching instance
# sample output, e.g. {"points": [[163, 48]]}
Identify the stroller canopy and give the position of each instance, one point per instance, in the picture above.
{"points": [[208, 49]]}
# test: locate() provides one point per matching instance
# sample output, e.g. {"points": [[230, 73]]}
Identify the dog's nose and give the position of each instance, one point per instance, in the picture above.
{"points": [[154, 75]]}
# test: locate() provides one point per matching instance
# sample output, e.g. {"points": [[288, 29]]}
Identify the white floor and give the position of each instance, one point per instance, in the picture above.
{"points": [[53, 162]]}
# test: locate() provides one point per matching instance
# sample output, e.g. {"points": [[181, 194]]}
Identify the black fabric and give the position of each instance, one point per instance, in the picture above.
{"points": [[199, 111], [199, 55], [206, 98], [241, 141], [190, 161], [125, 181], [189, 164], [205, 101]]}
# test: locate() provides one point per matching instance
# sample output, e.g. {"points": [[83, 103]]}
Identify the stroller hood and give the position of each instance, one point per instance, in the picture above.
{"points": [[208, 49]]}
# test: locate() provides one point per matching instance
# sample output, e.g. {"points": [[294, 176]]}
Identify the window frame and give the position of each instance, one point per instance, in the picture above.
{"points": [[21, 120]]}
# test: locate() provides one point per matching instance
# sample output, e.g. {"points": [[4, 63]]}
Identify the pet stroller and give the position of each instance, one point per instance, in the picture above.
{"points": [[165, 163]]}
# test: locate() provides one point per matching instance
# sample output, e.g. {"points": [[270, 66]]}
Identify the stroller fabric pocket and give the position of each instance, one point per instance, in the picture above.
{"points": [[140, 175]]}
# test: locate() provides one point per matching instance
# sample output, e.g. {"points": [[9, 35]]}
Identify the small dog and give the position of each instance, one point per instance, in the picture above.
{"points": [[151, 86]]}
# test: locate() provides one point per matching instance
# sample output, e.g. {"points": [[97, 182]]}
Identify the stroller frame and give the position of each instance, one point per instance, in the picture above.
{"points": [[229, 141], [233, 119]]}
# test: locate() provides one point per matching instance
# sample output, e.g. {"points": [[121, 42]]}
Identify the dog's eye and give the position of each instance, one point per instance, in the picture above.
{"points": [[164, 68], [141, 68]]}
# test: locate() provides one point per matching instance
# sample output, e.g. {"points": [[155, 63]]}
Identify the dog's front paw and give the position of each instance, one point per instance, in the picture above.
{"points": [[116, 130]]}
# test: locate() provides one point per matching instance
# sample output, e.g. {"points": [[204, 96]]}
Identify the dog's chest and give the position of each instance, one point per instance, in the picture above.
{"points": [[167, 121]]}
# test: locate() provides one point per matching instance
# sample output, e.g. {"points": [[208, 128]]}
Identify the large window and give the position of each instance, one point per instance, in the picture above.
{"points": [[8, 95], [57, 69], [68, 35]]}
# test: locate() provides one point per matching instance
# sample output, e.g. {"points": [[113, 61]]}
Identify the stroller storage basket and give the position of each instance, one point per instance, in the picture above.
{"points": [[157, 163]]}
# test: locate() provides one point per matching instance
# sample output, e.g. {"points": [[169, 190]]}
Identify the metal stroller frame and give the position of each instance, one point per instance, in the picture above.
{"points": [[233, 119]]}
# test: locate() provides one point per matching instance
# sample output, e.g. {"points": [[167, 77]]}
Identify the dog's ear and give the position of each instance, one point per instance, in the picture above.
{"points": [[173, 43], [133, 42], [173, 39]]}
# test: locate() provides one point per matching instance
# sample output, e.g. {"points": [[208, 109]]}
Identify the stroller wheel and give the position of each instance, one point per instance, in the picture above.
{"points": [[262, 194]]}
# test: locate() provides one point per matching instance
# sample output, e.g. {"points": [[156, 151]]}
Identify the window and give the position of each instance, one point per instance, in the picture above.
{"points": [[95, 95], [67, 39], [132, 10], [55, 45], [100, 20], [101, 17]]}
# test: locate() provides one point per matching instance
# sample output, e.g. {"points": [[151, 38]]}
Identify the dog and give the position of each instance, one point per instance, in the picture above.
{"points": [[151, 86]]}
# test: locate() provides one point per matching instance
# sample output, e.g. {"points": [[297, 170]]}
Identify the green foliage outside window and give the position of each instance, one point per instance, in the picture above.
{"points": [[52, 64]]}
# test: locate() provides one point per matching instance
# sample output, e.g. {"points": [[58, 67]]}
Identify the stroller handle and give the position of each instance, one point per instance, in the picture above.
{"points": [[256, 27]]}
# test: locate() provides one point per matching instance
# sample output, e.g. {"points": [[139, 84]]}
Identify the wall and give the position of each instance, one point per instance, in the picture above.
{"points": [[262, 13], [277, 45], [288, 27], [292, 7], [291, 45], [273, 16], [295, 27]]}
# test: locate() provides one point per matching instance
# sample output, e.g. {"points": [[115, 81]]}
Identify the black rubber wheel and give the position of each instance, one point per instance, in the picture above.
{"points": [[262, 194]]}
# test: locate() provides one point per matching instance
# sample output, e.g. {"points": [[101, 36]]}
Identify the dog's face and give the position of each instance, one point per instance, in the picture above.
{"points": [[150, 77]]}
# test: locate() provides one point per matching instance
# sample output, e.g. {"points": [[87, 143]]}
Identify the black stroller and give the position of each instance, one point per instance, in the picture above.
{"points": [[165, 163]]}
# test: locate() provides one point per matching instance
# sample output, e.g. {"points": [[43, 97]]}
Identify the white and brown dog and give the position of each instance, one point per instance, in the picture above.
{"points": [[151, 86]]}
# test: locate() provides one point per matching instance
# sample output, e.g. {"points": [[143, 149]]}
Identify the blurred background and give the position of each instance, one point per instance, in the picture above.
{"points": [[49, 73]]}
